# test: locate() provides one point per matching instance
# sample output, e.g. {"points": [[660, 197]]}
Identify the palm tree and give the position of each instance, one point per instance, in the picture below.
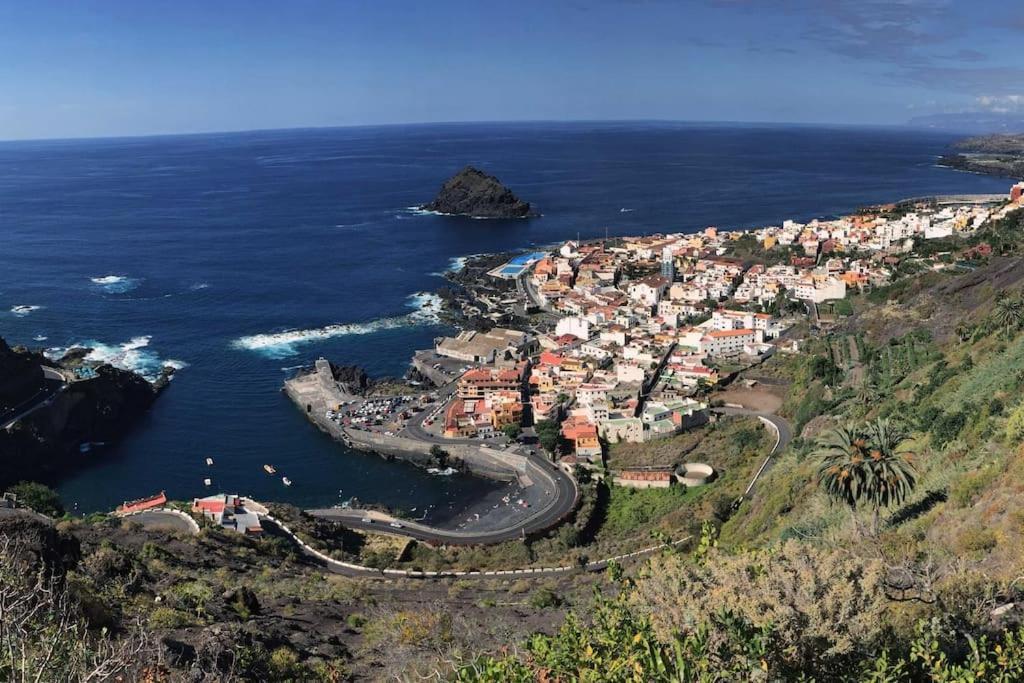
{"points": [[866, 465], [867, 392], [1009, 313]]}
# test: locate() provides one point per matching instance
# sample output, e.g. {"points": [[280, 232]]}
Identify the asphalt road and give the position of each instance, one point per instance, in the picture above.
{"points": [[785, 432], [563, 502], [51, 387]]}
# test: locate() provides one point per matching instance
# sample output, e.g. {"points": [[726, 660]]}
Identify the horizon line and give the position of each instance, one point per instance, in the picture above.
{"points": [[415, 124]]}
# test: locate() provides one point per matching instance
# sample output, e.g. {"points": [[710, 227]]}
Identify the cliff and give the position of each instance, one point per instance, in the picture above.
{"points": [[21, 376], [45, 443], [471, 192]]}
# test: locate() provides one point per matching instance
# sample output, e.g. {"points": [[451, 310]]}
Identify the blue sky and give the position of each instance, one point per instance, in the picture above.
{"points": [[124, 67]]}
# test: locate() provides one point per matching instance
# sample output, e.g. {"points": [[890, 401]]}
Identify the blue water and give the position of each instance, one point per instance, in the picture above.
{"points": [[199, 241]]}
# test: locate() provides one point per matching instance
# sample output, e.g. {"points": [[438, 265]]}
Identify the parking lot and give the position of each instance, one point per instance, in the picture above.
{"points": [[385, 415]]}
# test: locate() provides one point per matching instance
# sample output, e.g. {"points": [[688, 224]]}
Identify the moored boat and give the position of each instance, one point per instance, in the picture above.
{"points": [[270, 469], [286, 481]]}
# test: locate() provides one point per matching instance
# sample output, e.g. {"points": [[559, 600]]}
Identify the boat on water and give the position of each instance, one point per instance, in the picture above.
{"points": [[286, 481], [270, 469], [209, 462], [207, 482]]}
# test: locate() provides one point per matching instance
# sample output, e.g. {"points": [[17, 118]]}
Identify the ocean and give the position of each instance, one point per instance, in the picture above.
{"points": [[239, 257]]}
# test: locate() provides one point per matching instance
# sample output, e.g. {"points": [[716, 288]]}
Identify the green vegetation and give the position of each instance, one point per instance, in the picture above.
{"points": [[512, 431], [866, 465], [40, 498], [549, 435], [633, 510]]}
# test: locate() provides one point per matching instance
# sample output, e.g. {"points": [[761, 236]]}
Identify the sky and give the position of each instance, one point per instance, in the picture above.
{"points": [[124, 67]]}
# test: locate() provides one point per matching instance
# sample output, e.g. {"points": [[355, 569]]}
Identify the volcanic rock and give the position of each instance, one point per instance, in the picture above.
{"points": [[471, 192]]}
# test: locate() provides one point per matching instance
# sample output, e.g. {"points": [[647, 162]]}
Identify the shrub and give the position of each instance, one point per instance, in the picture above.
{"points": [[545, 598], [169, 618], [39, 497], [977, 539]]}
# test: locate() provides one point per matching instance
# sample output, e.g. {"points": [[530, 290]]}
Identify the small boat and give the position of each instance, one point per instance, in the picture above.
{"points": [[286, 481], [207, 482], [209, 462], [270, 469]]}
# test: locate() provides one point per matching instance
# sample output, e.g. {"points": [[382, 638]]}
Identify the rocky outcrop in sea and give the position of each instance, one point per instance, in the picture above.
{"points": [[476, 194]]}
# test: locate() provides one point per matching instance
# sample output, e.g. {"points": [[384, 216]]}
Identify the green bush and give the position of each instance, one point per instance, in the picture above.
{"points": [[39, 497], [545, 598], [169, 618]]}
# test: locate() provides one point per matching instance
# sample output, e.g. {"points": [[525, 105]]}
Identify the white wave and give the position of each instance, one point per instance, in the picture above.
{"points": [[199, 285], [40, 338], [22, 310], [284, 344], [133, 355], [625, 210], [417, 211], [115, 284]]}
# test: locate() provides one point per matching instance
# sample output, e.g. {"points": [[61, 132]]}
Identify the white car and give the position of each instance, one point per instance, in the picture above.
{"points": [[396, 525], [366, 520]]}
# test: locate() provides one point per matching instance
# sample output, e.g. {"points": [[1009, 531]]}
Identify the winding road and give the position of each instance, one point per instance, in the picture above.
{"points": [[561, 504], [783, 435]]}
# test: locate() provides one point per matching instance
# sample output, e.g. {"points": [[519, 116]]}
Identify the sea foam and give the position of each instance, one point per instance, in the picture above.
{"points": [[115, 284], [133, 355], [24, 309], [285, 344]]}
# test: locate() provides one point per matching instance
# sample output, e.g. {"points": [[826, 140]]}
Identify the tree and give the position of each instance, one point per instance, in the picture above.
{"points": [[512, 431], [866, 465], [39, 497], [549, 434], [867, 393], [1009, 312]]}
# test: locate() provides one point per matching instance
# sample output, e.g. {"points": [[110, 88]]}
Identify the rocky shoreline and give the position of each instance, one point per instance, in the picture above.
{"points": [[55, 421]]}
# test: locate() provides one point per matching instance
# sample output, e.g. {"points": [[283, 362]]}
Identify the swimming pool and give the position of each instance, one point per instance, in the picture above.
{"points": [[527, 259]]}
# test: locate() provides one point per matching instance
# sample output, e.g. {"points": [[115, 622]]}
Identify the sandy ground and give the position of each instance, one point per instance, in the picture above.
{"points": [[760, 398]]}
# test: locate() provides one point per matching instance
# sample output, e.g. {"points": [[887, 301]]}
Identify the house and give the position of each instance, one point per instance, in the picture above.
{"points": [[645, 479], [620, 427], [726, 342], [229, 512], [582, 434], [482, 382], [649, 290]]}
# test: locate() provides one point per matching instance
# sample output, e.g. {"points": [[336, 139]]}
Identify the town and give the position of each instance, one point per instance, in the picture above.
{"points": [[626, 340]]}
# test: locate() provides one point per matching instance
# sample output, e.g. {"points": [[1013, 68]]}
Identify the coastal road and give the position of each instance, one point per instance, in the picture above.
{"points": [[562, 502]]}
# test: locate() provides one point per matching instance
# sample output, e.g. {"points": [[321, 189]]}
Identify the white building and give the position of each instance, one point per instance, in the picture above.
{"points": [[726, 342], [572, 325]]}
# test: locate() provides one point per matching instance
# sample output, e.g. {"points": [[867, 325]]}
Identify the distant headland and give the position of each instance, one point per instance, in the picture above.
{"points": [[476, 194]]}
